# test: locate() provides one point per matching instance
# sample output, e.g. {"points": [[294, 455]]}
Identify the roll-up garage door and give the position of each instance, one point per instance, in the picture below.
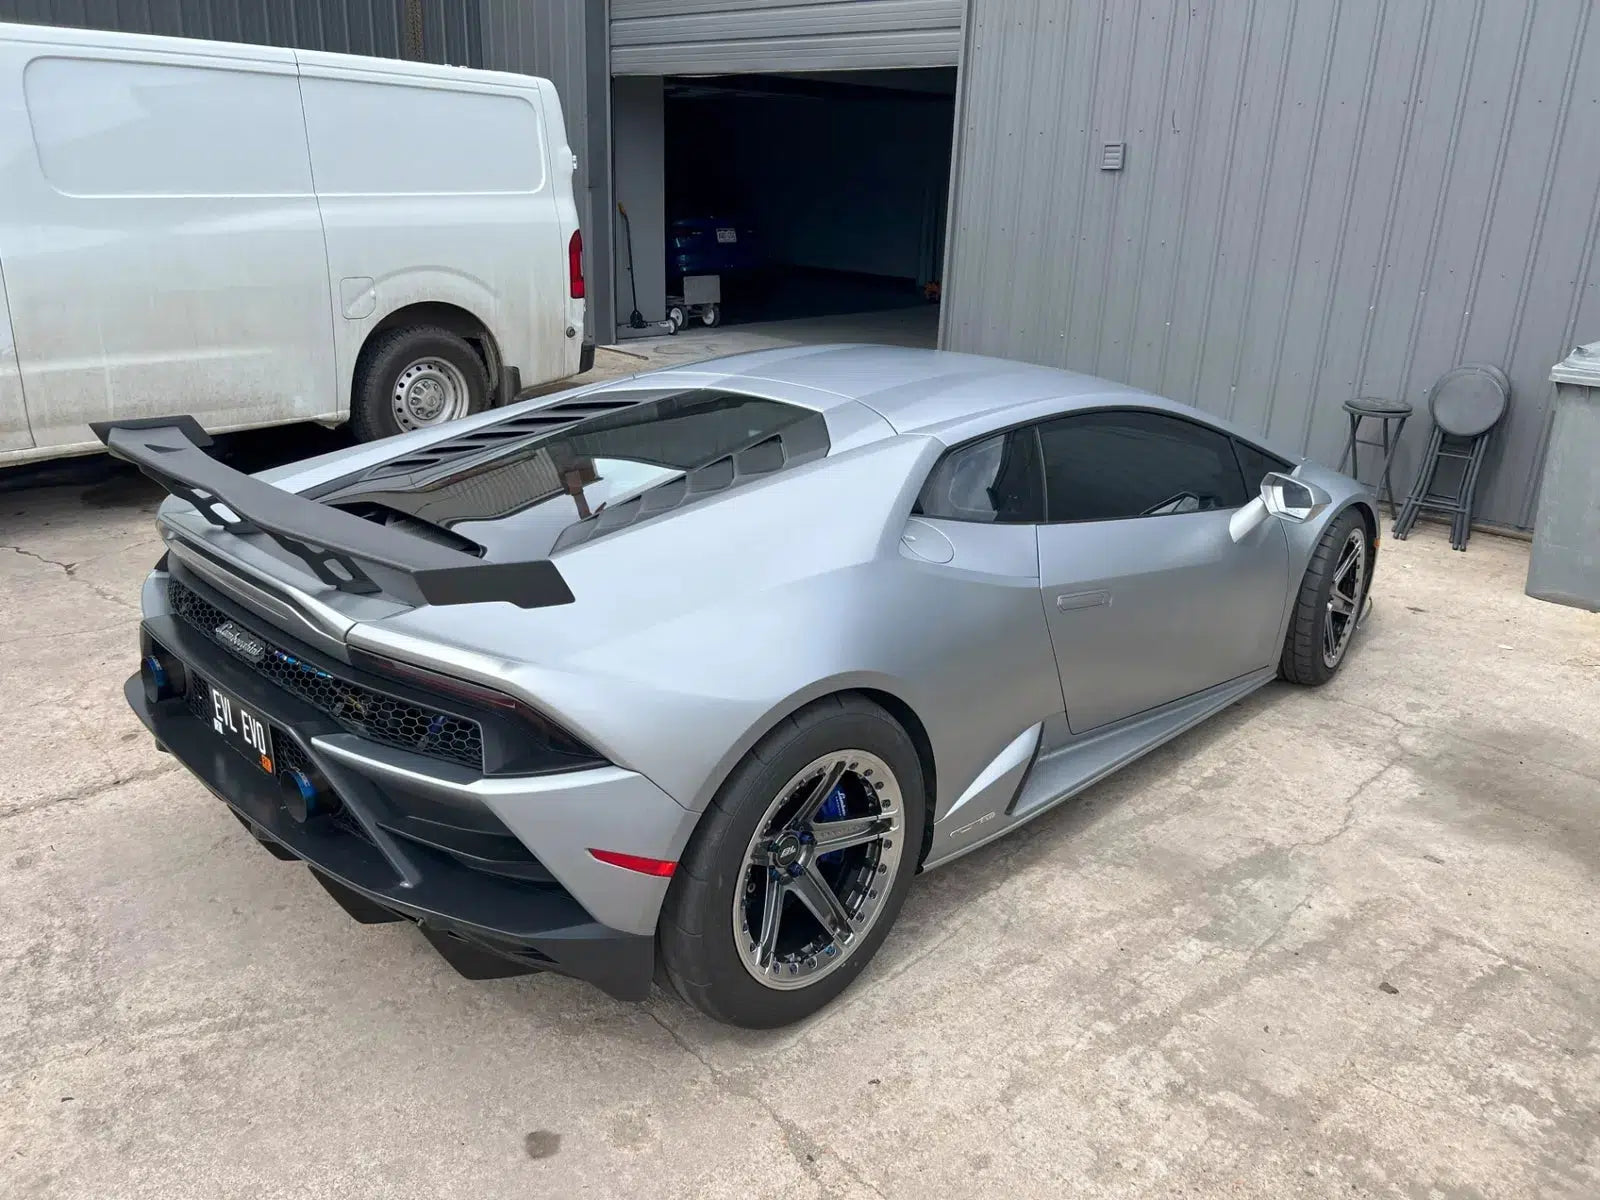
{"points": [[709, 37]]}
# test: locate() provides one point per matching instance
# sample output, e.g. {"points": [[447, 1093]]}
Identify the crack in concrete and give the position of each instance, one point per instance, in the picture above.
{"points": [[802, 1147], [1434, 729], [67, 567], [89, 791], [71, 570]]}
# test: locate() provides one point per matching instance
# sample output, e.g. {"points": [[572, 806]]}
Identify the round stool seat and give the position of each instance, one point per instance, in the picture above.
{"points": [[1469, 400], [1377, 406]]}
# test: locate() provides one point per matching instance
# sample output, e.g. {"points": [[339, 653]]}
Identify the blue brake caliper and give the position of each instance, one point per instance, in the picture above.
{"points": [[832, 810]]}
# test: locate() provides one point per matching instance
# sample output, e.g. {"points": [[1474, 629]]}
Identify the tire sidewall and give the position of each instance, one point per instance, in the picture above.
{"points": [[1322, 584], [701, 898], [373, 413]]}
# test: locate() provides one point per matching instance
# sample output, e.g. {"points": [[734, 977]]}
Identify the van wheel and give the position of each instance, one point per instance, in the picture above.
{"points": [[415, 378]]}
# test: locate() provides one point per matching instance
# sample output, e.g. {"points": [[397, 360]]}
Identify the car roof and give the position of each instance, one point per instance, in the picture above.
{"points": [[940, 393]]}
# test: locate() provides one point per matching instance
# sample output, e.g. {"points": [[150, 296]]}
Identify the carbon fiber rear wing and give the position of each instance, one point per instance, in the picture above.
{"points": [[341, 549]]}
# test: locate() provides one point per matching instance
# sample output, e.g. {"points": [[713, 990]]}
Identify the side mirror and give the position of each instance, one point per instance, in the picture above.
{"points": [[1284, 497], [1291, 499]]}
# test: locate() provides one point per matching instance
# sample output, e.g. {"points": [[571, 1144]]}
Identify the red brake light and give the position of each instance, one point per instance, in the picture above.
{"points": [[575, 263], [633, 862]]}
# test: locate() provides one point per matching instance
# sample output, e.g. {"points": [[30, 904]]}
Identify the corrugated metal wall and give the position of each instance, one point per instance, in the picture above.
{"points": [[685, 37], [449, 28], [1321, 199]]}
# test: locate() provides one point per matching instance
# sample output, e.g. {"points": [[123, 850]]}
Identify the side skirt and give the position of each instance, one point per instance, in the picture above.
{"points": [[1060, 772]]}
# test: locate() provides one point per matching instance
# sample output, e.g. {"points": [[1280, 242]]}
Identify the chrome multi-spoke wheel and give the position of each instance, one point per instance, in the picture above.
{"points": [[798, 866], [1329, 603], [1344, 599], [822, 859]]}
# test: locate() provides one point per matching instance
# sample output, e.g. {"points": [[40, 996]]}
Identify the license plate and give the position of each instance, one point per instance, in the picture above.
{"points": [[241, 729], [727, 235]]}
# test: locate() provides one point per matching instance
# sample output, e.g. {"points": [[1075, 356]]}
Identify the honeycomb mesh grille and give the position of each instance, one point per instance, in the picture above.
{"points": [[361, 710]]}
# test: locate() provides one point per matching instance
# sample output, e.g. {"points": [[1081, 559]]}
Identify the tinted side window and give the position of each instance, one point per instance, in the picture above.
{"points": [[1108, 466], [996, 480], [1254, 463]]}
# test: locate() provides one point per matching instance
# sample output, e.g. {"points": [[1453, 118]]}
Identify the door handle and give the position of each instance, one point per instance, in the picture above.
{"points": [[1067, 603]]}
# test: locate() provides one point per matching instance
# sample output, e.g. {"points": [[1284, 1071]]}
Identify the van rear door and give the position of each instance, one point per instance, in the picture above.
{"points": [[163, 247], [436, 190]]}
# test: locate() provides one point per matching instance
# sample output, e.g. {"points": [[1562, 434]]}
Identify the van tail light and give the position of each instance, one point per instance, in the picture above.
{"points": [[575, 263]]}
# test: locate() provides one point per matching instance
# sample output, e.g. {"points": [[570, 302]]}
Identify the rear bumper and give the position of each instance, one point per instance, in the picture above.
{"points": [[586, 358], [393, 851]]}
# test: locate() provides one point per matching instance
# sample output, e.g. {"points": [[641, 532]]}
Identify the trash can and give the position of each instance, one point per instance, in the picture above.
{"points": [[1565, 564]]}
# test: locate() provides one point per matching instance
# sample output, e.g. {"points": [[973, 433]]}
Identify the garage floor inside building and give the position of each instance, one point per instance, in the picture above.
{"points": [[917, 327]]}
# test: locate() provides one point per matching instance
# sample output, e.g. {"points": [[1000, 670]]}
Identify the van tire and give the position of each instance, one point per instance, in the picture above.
{"points": [[385, 357]]}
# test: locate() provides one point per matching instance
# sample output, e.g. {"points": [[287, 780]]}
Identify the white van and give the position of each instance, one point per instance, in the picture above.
{"points": [[256, 236]]}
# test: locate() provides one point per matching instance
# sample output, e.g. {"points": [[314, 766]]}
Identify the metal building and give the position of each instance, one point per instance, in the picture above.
{"points": [[1259, 206]]}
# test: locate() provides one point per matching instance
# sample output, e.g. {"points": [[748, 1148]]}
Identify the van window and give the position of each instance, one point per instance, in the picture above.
{"points": [[108, 128], [386, 138]]}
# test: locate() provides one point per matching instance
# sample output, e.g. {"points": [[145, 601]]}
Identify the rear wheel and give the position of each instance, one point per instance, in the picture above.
{"points": [[798, 869], [415, 378], [1328, 607]]}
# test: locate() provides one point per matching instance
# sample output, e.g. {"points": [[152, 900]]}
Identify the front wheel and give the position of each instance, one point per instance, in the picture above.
{"points": [[799, 867], [1327, 609]]}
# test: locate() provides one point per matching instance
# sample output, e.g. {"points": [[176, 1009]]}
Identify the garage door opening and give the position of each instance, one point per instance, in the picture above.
{"points": [[812, 197]]}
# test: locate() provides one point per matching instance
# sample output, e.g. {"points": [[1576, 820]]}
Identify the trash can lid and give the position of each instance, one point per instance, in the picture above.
{"points": [[1581, 367]]}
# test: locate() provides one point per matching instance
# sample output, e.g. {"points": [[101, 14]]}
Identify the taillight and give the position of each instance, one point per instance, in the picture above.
{"points": [[541, 744], [659, 867], [575, 263]]}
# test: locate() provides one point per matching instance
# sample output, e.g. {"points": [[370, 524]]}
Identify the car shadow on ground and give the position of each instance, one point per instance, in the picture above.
{"points": [[937, 900], [107, 483]]}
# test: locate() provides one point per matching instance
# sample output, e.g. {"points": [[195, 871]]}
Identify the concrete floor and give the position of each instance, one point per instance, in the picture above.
{"points": [[1338, 942], [894, 327]]}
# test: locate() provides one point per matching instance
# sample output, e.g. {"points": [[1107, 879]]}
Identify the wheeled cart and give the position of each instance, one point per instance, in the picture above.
{"points": [[702, 298]]}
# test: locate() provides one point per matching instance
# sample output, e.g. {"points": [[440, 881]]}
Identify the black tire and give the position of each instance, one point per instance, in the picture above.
{"points": [[695, 937], [1302, 660], [387, 355]]}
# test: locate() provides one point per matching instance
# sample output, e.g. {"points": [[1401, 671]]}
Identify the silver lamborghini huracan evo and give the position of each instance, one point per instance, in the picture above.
{"points": [[683, 677]]}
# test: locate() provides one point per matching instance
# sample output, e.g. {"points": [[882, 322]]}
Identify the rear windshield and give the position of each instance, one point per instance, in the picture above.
{"points": [[533, 490]]}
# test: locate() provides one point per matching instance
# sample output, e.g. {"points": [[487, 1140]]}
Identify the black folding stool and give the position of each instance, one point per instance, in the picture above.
{"points": [[1385, 412], [1466, 404]]}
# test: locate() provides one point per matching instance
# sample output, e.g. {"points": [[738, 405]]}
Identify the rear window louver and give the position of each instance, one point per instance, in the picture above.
{"points": [[798, 443], [490, 437]]}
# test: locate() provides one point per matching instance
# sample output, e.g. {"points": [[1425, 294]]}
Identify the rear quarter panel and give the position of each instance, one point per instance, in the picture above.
{"points": [[694, 635]]}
